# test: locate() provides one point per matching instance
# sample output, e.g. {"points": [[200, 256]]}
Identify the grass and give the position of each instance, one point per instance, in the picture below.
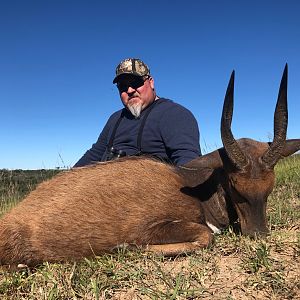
{"points": [[235, 267]]}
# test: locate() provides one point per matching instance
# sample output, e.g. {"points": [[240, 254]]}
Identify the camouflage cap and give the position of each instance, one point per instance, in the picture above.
{"points": [[133, 66]]}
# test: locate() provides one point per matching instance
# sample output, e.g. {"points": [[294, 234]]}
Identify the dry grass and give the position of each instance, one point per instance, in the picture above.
{"points": [[235, 267]]}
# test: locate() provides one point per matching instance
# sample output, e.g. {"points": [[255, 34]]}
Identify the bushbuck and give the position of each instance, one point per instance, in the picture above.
{"points": [[142, 202]]}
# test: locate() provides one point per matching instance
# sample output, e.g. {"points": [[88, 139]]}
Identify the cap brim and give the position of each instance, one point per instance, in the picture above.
{"points": [[117, 78]]}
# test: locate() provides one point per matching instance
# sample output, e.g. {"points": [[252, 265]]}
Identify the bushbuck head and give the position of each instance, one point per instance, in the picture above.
{"points": [[246, 167]]}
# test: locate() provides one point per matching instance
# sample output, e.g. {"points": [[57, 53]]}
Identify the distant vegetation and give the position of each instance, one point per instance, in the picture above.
{"points": [[16, 184], [20, 182], [234, 267]]}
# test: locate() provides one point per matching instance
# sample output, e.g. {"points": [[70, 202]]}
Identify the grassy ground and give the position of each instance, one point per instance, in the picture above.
{"points": [[234, 267]]}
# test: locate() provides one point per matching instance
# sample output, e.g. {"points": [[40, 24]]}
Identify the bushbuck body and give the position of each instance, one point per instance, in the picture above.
{"points": [[140, 201]]}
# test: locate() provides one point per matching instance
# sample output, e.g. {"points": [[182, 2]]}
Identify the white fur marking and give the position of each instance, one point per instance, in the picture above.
{"points": [[213, 228]]}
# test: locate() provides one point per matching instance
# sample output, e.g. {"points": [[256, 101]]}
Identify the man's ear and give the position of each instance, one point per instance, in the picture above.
{"points": [[151, 80]]}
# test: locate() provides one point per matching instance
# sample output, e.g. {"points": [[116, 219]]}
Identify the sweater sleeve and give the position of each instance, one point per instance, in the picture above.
{"points": [[180, 133]]}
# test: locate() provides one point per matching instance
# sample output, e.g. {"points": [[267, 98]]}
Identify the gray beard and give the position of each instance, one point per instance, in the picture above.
{"points": [[135, 109]]}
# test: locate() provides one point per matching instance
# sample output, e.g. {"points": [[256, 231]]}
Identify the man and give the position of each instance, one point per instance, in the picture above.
{"points": [[147, 125]]}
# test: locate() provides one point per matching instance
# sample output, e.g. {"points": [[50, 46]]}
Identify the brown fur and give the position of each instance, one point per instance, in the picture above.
{"points": [[94, 209]]}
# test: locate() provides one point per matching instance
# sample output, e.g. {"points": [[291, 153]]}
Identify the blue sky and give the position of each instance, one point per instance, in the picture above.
{"points": [[57, 62]]}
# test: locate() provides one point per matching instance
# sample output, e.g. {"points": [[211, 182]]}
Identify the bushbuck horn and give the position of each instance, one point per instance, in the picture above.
{"points": [[273, 154], [232, 148]]}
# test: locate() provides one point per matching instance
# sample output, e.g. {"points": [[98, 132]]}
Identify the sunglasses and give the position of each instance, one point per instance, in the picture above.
{"points": [[134, 83]]}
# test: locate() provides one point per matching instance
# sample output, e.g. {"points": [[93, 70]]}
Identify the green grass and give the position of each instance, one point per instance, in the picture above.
{"points": [[284, 205], [235, 267]]}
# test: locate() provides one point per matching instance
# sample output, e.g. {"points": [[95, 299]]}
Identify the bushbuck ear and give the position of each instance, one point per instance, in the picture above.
{"points": [[291, 146], [194, 177], [200, 169]]}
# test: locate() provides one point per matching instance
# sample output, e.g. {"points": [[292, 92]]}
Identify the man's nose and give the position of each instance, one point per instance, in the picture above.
{"points": [[130, 90]]}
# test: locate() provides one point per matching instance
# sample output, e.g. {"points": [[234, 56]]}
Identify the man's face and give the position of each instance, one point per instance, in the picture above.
{"points": [[136, 92]]}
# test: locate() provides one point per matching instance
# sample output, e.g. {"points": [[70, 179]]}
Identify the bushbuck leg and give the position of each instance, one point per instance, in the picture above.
{"points": [[179, 237]]}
